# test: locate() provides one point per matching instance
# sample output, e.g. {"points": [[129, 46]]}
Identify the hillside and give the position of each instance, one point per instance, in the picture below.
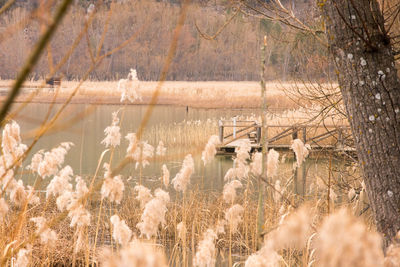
{"points": [[233, 55]]}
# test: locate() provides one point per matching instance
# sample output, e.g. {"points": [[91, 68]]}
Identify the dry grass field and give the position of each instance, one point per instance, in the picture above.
{"points": [[192, 94], [110, 219], [104, 219]]}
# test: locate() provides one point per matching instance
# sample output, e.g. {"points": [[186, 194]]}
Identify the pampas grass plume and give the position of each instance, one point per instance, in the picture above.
{"points": [[243, 150], [81, 188], [79, 216], [23, 257], [11, 137], [154, 214], [256, 164], [230, 174], [18, 194], [140, 151], [210, 150], [294, 229], [12, 147], [52, 160], [345, 241], [143, 195], [121, 232], [133, 142], [130, 87], [265, 257], [47, 236], [392, 258], [272, 163], [234, 216], [165, 176], [205, 254], [229, 192], [113, 187], [182, 178], [113, 134], [60, 183], [136, 253], [161, 149], [300, 150]]}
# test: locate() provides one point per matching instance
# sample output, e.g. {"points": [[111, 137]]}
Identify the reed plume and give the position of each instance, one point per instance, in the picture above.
{"points": [[140, 151], [182, 178], [52, 160], [229, 192], [265, 257], [205, 253], [210, 150], [272, 163], [143, 195], [47, 236], [256, 164], [343, 240], [121, 232], [301, 151], [112, 132], [234, 216], [136, 253], [154, 214], [165, 176], [23, 256], [161, 149], [113, 187], [130, 87], [60, 183]]}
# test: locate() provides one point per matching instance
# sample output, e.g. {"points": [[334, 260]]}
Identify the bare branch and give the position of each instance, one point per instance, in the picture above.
{"points": [[208, 37], [6, 6]]}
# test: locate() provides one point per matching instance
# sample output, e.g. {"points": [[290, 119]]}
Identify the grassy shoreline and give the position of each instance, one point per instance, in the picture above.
{"points": [[177, 93]]}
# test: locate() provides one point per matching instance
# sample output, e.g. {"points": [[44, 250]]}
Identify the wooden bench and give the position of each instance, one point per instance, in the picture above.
{"points": [[53, 81]]}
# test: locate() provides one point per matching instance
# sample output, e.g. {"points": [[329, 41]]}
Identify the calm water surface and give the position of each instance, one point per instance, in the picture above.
{"points": [[87, 131], [84, 126]]}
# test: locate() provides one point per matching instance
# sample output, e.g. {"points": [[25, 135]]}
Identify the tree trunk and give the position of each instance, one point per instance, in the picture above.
{"points": [[363, 56]]}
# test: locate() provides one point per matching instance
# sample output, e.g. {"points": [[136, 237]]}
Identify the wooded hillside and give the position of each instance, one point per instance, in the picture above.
{"points": [[234, 55]]}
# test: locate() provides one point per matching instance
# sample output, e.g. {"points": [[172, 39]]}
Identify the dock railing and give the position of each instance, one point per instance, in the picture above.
{"points": [[232, 130], [319, 136]]}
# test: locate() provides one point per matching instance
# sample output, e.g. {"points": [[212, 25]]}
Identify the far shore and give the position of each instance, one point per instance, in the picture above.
{"points": [[180, 93]]}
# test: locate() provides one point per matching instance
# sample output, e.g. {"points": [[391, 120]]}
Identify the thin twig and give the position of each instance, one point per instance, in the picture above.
{"points": [[6, 6], [209, 37]]}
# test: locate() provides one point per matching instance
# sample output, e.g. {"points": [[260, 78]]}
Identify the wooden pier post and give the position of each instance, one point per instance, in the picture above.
{"points": [[303, 166], [221, 131], [259, 136], [295, 174]]}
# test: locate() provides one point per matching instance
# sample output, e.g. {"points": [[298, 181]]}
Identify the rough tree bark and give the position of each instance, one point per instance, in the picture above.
{"points": [[364, 60]]}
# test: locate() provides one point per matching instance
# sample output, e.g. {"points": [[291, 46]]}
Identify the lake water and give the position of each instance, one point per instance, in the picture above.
{"points": [[183, 131], [87, 132]]}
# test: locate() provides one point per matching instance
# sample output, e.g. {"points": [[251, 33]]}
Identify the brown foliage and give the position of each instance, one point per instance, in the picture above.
{"points": [[234, 55]]}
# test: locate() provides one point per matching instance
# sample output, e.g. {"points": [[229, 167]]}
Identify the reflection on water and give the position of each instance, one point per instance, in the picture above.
{"points": [[84, 126]]}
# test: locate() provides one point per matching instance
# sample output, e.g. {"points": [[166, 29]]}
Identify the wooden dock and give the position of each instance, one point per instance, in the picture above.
{"points": [[319, 137]]}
